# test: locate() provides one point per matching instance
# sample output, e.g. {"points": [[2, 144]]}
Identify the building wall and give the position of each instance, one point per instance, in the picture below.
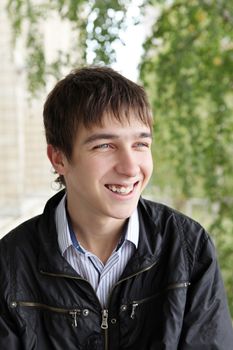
{"points": [[11, 140], [25, 172]]}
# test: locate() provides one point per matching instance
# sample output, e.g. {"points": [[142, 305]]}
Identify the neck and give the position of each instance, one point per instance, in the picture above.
{"points": [[99, 237]]}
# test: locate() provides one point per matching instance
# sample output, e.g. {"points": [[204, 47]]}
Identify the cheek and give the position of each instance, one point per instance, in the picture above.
{"points": [[147, 165], [95, 169]]}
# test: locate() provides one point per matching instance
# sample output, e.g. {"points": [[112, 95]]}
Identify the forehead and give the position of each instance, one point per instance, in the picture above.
{"points": [[130, 125], [127, 121]]}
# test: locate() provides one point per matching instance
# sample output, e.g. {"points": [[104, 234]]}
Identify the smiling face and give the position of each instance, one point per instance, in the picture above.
{"points": [[110, 167]]}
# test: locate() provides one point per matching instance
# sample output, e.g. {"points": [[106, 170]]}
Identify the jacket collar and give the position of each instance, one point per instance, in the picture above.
{"points": [[50, 257], [149, 247]]}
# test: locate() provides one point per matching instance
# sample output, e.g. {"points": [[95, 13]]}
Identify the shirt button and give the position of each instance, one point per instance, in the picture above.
{"points": [[113, 321]]}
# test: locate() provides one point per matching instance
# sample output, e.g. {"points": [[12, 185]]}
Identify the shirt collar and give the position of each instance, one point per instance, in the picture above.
{"points": [[132, 233], [64, 237]]}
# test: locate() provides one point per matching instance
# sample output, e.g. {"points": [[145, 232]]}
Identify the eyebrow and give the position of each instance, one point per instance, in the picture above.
{"points": [[109, 136]]}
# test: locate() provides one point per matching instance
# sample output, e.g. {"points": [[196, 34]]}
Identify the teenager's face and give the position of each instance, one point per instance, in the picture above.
{"points": [[110, 167]]}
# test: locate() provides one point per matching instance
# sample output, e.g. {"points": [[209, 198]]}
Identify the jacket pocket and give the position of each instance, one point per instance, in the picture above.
{"points": [[72, 314], [133, 305]]}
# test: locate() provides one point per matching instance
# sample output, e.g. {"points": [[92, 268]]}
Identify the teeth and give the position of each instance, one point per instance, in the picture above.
{"points": [[120, 189]]}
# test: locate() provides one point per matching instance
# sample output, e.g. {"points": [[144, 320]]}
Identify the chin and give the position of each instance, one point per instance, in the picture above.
{"points": [[123, 214]]}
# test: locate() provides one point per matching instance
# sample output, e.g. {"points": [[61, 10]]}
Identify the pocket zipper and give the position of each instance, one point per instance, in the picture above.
{"points": [[74, 313], [134, 304]]}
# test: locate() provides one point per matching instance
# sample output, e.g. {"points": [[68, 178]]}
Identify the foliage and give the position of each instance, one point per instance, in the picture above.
{"points": [[95, 25], [187, 70]]}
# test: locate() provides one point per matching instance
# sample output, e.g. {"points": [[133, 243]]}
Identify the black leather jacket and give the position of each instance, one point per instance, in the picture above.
{"points": [[170, 295]]}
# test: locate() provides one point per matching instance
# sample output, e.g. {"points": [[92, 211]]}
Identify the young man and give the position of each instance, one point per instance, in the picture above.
{"points": [[102, 268]]}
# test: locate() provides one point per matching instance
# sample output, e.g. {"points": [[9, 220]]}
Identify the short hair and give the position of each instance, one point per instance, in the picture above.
{"points": [[83, 97]]}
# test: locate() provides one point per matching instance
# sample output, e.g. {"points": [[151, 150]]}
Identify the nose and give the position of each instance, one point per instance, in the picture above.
{"points": [[127, 164]]}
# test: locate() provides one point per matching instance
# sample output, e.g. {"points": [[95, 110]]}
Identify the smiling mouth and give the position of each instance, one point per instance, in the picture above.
{"points": [[123, 190]]}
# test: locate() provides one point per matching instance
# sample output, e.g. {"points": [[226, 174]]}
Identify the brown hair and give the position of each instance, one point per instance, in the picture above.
{"points": [[83, 97]]}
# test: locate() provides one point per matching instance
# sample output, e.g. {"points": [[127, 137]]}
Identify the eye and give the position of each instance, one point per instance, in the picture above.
{"points": [[142, 145], [102, 146]]}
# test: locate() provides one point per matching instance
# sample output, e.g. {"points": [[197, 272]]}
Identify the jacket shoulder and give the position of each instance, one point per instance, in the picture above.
{"points": [[29, 229], [159, 211], [178, 226], [22, 233]]}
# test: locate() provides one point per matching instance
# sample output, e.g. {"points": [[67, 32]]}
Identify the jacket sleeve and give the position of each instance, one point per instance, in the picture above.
{"points": [[9, 330], [207, 324]]}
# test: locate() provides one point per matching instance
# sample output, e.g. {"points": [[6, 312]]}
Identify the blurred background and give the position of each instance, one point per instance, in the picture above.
{"points": [[181, 52]]}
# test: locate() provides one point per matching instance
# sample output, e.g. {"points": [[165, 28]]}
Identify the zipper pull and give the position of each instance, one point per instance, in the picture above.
{"points": [[104, 324], [74, 314], [134, 306]]}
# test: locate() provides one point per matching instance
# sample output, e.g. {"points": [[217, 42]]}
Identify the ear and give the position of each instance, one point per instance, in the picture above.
{"points": [[57, 159]]}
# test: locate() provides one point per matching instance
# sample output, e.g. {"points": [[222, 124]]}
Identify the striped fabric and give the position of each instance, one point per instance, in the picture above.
{"points": [[89, 266]]}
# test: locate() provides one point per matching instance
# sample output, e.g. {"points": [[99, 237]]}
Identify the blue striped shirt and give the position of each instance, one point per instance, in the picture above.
{"points": [[101, 276]]}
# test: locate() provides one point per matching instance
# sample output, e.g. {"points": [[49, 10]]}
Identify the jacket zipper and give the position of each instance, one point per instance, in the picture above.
{"points": [[104, 322], [104, 326], [134, 304], [73, 313]]}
